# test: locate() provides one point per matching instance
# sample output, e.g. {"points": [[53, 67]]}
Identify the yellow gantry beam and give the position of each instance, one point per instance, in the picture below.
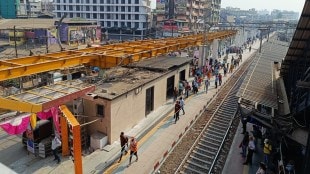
{"points": [[106, 56]]}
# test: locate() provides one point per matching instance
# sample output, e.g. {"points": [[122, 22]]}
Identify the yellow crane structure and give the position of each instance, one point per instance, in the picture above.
{"points": [[106, 56]]}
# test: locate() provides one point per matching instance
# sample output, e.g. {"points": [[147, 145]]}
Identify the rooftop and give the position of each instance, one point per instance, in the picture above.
{"points": [[121, 80]]}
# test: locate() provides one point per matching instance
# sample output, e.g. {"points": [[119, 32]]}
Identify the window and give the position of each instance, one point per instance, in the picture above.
{"points": [[136, 9], [59, 15], [94, 8], [108, 23], [144, 24], [129, 9], [71, 15], [64, 1], [129, 1], [122, 16], [101, 16], [116, 16], [58, 1], [87, 8], [100, 110], [77, 1], [122, 8], [87, 15], [116, 1], [78, 15], [123, 24], [108, 16], [65, 7], [58, 7], [136, 17], [70, 1], [115, 24], [108, 1], [116, 9], [108, 8], [136, 24], [136, 1], [129, 24], [101, 8], [123, 2], [129, 17], [95, 16], [101, 1], [78, 8], [87, 1], [70, 7], [95, 1]]}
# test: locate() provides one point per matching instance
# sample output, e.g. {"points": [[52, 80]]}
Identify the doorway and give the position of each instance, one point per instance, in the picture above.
{"points": [[170, 87], [182, 75], [149, 100]]}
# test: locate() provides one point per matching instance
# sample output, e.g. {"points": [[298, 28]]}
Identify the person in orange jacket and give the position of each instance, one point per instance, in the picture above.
{"points": [[133, 150]]}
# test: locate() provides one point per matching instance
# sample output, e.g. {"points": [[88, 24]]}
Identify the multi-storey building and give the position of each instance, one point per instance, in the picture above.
{"points": [[123, 19], [28, 8], [8, 9], [188, 13]]}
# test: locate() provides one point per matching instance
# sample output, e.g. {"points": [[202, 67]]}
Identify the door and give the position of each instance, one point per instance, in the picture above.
{"points": [[182, 75], [170, 87], [149, 100]]}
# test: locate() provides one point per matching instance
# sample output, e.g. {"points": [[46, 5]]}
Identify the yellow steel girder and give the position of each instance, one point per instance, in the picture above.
{"points": [[105, 56]]}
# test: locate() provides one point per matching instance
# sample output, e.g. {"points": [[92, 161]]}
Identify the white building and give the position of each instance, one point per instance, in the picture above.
{"points": [[122, 18]]}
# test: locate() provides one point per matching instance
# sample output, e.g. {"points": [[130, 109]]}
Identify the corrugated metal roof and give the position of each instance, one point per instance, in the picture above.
{"points": [[299, 42], [259, 84], [161, 63]]}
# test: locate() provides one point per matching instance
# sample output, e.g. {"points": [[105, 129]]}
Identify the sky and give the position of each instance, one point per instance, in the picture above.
{"points": [[294, 5]]}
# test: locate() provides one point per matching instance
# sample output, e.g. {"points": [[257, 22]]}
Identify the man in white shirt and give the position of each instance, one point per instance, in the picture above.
{"points": [[182, 104], [55, 144]]}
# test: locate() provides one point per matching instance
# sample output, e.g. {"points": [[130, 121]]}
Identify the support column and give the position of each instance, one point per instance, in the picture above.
{"points": [[64, 136]]}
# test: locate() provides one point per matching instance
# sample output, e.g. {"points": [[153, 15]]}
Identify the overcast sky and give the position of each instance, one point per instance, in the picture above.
{"points": [[295, 5]]}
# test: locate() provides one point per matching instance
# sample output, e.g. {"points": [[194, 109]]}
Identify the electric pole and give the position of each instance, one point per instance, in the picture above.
{"points": [[15, 45]]}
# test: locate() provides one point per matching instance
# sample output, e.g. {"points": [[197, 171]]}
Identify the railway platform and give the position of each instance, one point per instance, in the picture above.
{"points": [[154, 142]]}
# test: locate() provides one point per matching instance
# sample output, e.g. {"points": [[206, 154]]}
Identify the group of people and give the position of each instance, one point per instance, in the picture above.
{"points": [[249, 146], [133, 147]]}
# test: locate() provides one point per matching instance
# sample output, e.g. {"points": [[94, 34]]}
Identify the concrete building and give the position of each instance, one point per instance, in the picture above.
{"points": [[131, 93], [188, 14], [123, 19], [8, 9]]}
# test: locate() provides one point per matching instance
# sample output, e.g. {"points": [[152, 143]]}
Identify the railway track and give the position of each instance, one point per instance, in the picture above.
{"points": [[201, 149]]}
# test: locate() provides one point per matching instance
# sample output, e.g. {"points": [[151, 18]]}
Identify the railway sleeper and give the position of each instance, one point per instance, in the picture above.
{"points": [[210, 156], [206, 152], [189, 169], [223, 116], [195, 164], [212, 127], [220, 119], [215, 132], [207, 146], [211, 139], [218, 126], [210, 142], [220, 123], [201, 160], [220, 138]]}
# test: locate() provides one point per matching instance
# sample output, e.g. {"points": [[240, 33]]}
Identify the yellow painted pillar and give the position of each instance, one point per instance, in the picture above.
{"points": [[64, 136]]}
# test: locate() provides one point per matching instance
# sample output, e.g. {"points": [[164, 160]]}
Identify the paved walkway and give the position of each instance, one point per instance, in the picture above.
{"points": [[154, 141]]}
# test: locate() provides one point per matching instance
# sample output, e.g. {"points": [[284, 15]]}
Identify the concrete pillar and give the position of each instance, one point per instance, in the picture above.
{"points": [[214, 51]]}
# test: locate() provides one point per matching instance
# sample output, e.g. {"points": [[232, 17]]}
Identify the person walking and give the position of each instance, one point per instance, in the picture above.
{"points": [[267, 151], [133, 150], [251, 149], [177, 108], [182, 103], [187, 89], [175, 94], [207, 84], [244, 143], [124, 143], [220, 79], [216, 80], [55, 144]]}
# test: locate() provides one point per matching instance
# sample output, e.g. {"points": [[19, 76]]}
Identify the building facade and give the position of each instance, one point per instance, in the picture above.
{"points": [[8, 9], [188, 14], [123, 101], [121, 18]]}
